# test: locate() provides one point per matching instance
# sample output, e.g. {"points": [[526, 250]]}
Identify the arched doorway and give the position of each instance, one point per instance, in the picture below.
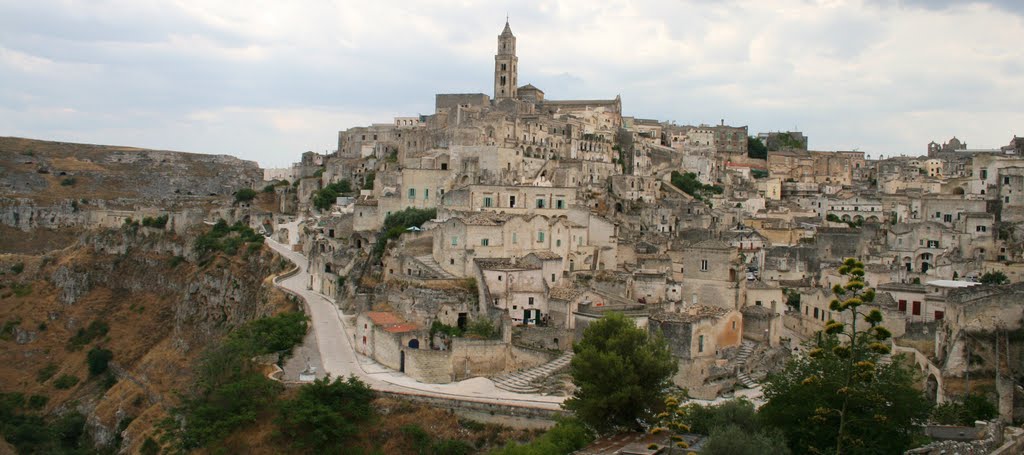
{"points": [[931, 388], [414, 344]]}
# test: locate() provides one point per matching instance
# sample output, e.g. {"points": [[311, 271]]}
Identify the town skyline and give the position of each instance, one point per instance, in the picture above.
{"points": [[265, 85]]}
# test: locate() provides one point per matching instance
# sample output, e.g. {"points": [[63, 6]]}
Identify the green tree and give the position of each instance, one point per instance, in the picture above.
{"points": [[567, 436], [966, 411], [756, 148], [840, 398], [734, 440], [245, 195], [621, 374], [994, 277], [326, 414], [326, 197], [99, 360]]}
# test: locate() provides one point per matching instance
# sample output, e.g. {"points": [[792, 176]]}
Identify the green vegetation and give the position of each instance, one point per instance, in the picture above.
{"points": [[7, 330], [268, 189], [397, 223], [567, 436], [994, 277], [325, 198], [227, 239], [785, 141], [971, 408], [66, 381], [759, 173], [84, 336], [690, 185], [840, 398], [756, 148], [69, 181], [326, 414], [99, 360], [733, 428], [620, 373], [45, 373], [230, 391], [30, 433], [18, 268], [368, 180], [21, 289], [482, 328], [245, 195], [445, 329], [159, 222]]}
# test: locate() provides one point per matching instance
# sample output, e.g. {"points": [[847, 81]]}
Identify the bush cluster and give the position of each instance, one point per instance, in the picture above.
{"points": [[690, 185], [325, 198], [227, 239]]}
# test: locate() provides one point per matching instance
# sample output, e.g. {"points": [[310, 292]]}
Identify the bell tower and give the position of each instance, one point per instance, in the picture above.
{"points": [[505, 66]]}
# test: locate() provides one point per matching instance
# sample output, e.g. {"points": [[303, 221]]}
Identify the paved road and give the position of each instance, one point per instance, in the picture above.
{"points": [[339, 359]]}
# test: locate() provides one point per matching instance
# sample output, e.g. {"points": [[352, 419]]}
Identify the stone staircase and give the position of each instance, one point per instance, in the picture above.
{"points": [[746, 348], [524, 381], [435, 269]]}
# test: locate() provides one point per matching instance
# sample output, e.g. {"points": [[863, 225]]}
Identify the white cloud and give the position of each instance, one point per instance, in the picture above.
{"points": [[268, 80]]}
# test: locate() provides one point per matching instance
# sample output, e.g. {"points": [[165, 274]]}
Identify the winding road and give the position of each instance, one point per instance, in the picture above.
{"points": [[332, 331]]}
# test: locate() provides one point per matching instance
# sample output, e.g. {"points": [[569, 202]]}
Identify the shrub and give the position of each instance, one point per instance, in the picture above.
{"points": [[21, 290], [45, 373], [268, 189], [18, 268], [226, 239], [994, 277], [245, 195], [568, 435], [99, 360], [964, 412], [159, 222], [326, 414], [482, 328], [66, 381], [70, 181], [94, 330], [38, 401], [325, 198]]}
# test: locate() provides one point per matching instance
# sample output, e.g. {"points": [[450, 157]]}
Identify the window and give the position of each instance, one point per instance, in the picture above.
{"points": [[559, 204], [426, 193], [903, 305], [579, 240], [558, 242], [703, 265], [933, 244], [757, 302], [1006, 180], [947, 218], [917, 308], [412, 193], [734, 325], [540, 236], [503, 65], [512, 201], [540, 203], [984, 174], [515, 239], [815, 313], [485, 242], [552, 277], [487, 202], [980, 229], [939, 315], [455, 240], [530, 301], [700, 343]]}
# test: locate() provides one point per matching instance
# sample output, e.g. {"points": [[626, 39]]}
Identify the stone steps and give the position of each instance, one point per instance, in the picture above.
{"points": [[431, 264], [746, 349], [525, 381]]}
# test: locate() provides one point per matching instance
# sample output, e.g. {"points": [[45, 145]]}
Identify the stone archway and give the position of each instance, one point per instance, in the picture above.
{"points": [[931, 388]]}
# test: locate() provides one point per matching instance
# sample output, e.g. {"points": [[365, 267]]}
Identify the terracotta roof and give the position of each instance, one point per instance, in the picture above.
{"points": [[391, 322], [384, 317]]}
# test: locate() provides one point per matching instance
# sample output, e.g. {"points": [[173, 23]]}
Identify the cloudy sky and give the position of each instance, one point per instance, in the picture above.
{"points": [[268, 80]]}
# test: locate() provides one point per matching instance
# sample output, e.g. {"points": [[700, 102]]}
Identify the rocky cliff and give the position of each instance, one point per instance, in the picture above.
{"points": [[139, 293]]}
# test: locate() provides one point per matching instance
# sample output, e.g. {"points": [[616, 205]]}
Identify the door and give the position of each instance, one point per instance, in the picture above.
{"points": [[462, 321], [401, 361]]}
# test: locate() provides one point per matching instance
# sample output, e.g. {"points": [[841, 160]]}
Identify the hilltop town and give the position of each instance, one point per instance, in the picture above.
{"points": [[544, 214], [459, 255]]}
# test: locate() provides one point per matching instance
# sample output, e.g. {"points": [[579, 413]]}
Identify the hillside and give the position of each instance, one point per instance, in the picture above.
{"points": [[131, 292]]}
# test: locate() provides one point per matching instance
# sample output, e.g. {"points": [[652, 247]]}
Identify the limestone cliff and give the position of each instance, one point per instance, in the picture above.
{"points": [[159, 303]]}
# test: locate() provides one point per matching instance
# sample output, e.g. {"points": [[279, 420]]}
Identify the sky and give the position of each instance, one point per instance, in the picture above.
{"points": [[268, 80]]}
